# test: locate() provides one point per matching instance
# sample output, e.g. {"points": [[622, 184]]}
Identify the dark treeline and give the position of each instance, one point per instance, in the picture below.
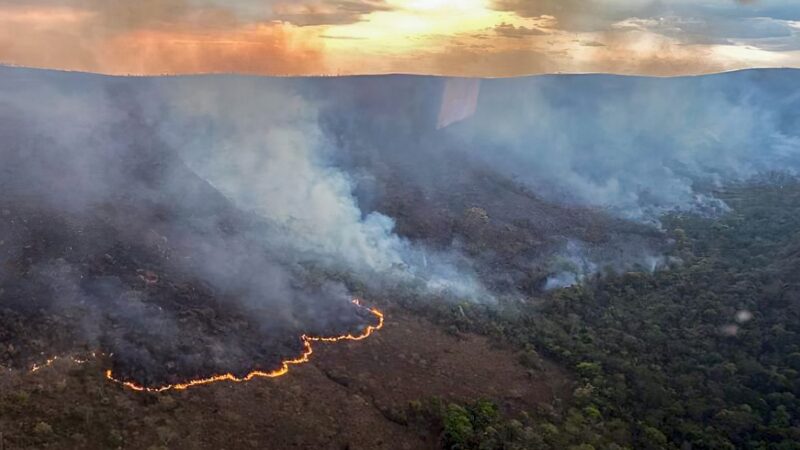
{"points": [[703, 355]]}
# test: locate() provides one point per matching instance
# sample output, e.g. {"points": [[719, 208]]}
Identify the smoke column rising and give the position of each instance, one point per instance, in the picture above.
{"points": [[259, 142]]}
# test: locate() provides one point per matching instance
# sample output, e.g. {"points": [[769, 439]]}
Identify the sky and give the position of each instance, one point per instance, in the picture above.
{"points": [[485, 38]]}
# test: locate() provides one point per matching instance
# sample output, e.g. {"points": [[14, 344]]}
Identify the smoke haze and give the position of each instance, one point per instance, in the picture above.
{"points": [[193, 225], [637, 146]]}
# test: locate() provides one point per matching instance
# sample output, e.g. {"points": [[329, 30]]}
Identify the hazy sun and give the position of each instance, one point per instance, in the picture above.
{"points": [[410, 23]]}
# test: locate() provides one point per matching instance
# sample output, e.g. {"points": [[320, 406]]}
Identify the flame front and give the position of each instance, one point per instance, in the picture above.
{"points": [[50, 361], [282, 370]]}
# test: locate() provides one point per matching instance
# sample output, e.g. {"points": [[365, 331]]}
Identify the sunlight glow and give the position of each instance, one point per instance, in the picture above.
{"points": [[416, 24]]}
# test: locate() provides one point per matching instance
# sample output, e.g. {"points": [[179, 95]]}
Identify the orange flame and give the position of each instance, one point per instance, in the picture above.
{"points": [[282, 370], [50, 361]]}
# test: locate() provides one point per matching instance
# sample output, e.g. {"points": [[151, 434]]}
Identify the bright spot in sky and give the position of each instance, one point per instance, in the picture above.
{"points": [[412, 23]]}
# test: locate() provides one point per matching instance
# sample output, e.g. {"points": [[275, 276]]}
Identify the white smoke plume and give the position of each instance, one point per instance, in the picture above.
{"points": [[576, 262], [260, 144], [636, 146]]}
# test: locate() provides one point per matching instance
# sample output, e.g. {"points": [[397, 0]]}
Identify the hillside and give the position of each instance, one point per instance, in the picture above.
{"points": [[571, 262]]}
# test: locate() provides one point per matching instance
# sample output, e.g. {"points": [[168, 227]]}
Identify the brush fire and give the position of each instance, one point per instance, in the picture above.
{"points": [[283, 369]]}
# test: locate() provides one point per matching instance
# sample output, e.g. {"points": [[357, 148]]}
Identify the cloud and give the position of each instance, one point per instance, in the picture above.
{"points": [[510, 31], [172, 36], [493, 38], [599, 15], [592, 44], [168, 37], [256, 49], [709, 30], [662, 38], [327, 12], [130, 14], [573, 15]]}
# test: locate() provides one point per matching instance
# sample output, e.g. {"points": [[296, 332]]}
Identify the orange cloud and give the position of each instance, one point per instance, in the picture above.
{"points": [[109, 37], [448, 37], [251, 49], [44, 17], [326, 12]]}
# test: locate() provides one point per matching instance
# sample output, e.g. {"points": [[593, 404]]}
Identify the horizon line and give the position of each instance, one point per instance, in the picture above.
{"points": [[4, 65]]}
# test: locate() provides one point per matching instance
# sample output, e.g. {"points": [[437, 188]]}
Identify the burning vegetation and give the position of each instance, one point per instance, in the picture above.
{"points": [[283, 369], [156, 330], [109, 243]]}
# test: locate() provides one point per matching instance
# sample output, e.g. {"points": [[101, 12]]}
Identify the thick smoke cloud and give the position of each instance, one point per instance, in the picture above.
{"points": [[194, 224], [260, 143], [109, 233], [639, 147], [257, 141], [189, 226], [590, 146]]}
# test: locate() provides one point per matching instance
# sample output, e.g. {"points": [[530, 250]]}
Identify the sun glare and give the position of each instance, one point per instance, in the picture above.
{"points": [[416, 24]]}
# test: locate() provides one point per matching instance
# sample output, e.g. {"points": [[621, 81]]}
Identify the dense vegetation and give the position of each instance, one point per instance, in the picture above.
{"points": [[702, 355]]}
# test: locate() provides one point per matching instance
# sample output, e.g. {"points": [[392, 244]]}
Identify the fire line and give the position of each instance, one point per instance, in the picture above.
{"points": [[282, 370]]}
